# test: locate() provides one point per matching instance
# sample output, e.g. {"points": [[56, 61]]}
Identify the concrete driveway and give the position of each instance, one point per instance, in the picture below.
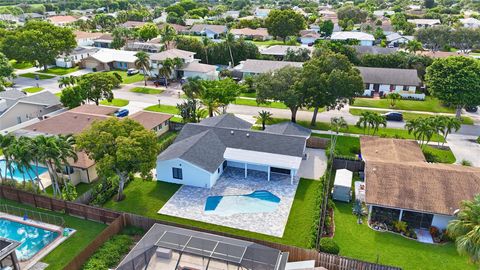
{"points": [[315, 165], [465, 147]]}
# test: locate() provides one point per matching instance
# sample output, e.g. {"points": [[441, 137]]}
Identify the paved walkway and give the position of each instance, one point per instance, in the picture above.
{"points": [[465, 147]]}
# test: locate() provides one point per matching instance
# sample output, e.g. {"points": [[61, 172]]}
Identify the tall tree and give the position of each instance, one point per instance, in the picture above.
{"points": [[168, 34], [120, 147], [229, 40], [352, 13], [39, 42], [219, 93], [281, 86], [143, 62], [413, 46], [434, 38], [6, 70], [72, 96], [148, 31], [121, 36], [455, 81], [264, 117], [97, 86], [326, 28], [284, 23]]}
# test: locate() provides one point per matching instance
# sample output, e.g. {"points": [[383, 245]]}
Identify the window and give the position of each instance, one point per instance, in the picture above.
{"points": [[279, 170], [177, 173]]}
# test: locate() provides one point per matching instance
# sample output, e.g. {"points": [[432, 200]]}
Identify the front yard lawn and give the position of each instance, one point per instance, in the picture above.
{"points": [[361, 242], [147, 197], [146, 90], [128, 79], [20, 65], [430, 104], [163, 109], [410, 116], [253, 102], [87, 231], [117, 102], [437, 155], [40, 76], [33, 89], [60, 71]]}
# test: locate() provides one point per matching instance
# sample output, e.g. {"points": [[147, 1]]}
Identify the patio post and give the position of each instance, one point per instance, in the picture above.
{"points": [[291, 177], [401, 215], [268, 174], [370, 209], [245, 170]]}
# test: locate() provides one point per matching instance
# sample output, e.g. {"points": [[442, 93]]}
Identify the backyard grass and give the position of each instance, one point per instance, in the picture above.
{"points": [[146, 90], [128, 79], [20, 65], [59, 71], [147, 197], [80, 188], [361, 242], [346, 146], [410, 116], [86, 232], [437, 155], [33, 89], [382, 132], [430, 104], [117, 102], [40, 76], [163, 109]]}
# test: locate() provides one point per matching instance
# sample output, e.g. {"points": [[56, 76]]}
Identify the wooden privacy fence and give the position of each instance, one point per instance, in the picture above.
{"points": [[317, 142], [70, 208], [114, 228], [351, 165]]}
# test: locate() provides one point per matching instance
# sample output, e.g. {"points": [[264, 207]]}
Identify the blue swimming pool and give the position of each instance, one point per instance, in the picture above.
{"points": [[256, 202], [17, 174], [33, 239]]}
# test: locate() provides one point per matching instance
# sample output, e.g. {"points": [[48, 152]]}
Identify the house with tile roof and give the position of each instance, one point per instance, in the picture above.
{"points": [[191, 67], [252, 67], [208, 30]]}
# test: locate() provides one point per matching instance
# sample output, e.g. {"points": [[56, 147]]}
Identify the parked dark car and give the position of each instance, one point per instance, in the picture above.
{"points": [[161, 81], [121, 113], [471, 108], [393, 116], [132, 71]]}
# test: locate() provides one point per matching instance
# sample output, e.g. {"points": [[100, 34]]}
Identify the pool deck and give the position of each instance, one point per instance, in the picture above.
{"points": [[47, 249], [189, 202]]}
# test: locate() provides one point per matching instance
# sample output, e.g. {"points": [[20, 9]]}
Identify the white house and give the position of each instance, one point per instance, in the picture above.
{"points": [[401, 185], [308, 37], [110, 59], [279, 51], [235, 14], [202, 151], [86, 38], [470, 22], [395, 39], [208, 30], [423, 23], [261, 13], [382, 81], [365, 39], [252, 67], [74, 57]]}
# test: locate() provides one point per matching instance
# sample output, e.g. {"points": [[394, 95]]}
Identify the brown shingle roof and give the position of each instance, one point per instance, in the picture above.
{"points": [[83, 34], [83, 161], [390, 150], [65, 123], [62, 19], [94, 109], [150, 119]]}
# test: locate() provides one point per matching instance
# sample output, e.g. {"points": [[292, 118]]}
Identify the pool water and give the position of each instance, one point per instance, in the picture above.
{"points": [[17, 174], [260, 201], [33, 239]]}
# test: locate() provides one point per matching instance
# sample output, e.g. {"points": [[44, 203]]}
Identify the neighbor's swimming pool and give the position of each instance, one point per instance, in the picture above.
{"points": [[33, 239], [259, 201], [17, 174]]}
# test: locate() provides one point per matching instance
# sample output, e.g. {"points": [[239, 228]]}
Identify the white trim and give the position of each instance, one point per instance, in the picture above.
{"points": [[262, 158]]}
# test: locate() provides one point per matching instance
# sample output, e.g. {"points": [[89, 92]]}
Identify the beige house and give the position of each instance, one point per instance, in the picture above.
{"points": [[109, 59]]}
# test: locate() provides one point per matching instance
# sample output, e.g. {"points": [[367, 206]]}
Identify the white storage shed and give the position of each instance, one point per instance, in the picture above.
{"points": [[342, 187]]}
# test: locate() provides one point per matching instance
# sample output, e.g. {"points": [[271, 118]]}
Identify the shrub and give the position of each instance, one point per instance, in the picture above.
{"points": [[400, 226], [478, 139], [466, 162], [434, 231], [110, 253], [328, 245]]}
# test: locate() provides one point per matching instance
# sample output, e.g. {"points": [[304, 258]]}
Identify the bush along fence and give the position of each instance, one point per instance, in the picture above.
{"points": [[117, 221]]}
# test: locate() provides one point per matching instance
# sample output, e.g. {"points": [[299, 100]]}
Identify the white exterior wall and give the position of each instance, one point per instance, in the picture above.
{"points": [[192, 175], [384, 88], [205, 76], [249, 166], [162, 128], [307, 40], [366, 43], [441, 221], [22, 112]]}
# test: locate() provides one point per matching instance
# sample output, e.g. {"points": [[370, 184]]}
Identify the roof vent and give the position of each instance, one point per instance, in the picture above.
{"points": [[248, 134], [75, 117], [88, 118], [231, 132], [34, 129]]}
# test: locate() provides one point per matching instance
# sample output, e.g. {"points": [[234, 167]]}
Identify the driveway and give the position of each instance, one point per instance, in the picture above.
{"points": [[465, 147], [315, 165]]}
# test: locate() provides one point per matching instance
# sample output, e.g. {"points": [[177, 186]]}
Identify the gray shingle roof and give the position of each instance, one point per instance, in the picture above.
{"points": [[226, 121], [12, 94], [289, 128], [374, 50], [264, 66], [281, 50], [394, 76], [44, 98]]}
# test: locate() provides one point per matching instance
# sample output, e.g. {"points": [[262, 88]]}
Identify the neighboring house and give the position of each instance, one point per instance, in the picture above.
{"points": [[232, 13], [132, 24], [383, 13], [9, 18], [308, 37], [279, 51], [150, 46], [399, 183], [382, 81], [201, 152], [252, 67], [24, 17], [365, 39], [314, 27], [328, 14], [75, 56], [86, 38], [196, 69], [16, 107], [109, 59], [361, 50], [104, 41], [62, 20], [395, 39], [190, 22], [249, 33], [261, 13], [161, 19], [423, 23], [210, 30], [75, 121], [470, 22]]}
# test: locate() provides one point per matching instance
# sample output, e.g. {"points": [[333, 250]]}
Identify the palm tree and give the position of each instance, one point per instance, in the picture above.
{"points": [[168, 34], [451, 124], [193, 88], [337, 123], [67, 81], [264, 116], [166, 70], [36, 150], [465, 228], [6, 142], [393, 98], [20, 154], [206, 43], [211, 104], [364, 121], [50, 157], [413, 46], [143, 62], [67, 152], [230, 39], [377, 121], [412, 127]]}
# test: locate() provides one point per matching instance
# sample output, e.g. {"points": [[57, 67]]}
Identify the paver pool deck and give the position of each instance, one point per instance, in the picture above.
{"points": [[189, 202]]}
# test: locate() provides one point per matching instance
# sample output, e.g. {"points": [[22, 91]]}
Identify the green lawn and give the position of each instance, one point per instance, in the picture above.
{"points": [[430, 104], [117, 102], [20, 65], [347, 146], [433, 154], [87, 231], [273, 104], [384, 132], [40, 76], [33, 89], [410, 116], [59, 94], [80, 187], [163, 109], [361, 242], [128, 79], [59, 71], [249, 95], [146, 90], [147, 197]]}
